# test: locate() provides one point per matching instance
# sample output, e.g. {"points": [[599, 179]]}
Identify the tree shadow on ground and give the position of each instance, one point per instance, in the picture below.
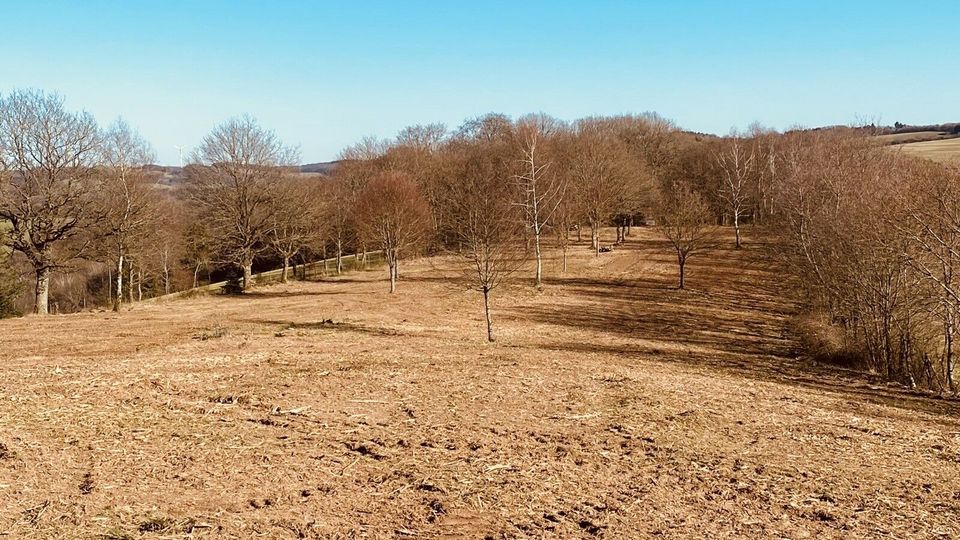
{"points": [[735, 320]]}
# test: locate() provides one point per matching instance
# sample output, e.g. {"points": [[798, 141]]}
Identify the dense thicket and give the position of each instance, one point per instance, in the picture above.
{"points": [[873, 238]]}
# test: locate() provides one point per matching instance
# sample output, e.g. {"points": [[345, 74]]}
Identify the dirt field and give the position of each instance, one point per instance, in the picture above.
{"points": [[612, 406]]}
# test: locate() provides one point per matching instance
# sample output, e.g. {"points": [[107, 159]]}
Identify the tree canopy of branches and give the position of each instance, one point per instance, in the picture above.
{"points": [[233, 181], [597, 165], [394, 215], [685, 221], [540, 189], [486, 221], [48, 157], [871, 236], [296, 219], [129, 210], [737, 163]]}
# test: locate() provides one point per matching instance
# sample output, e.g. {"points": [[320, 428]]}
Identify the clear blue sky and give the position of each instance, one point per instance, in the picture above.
{"points": [[323, 75]]}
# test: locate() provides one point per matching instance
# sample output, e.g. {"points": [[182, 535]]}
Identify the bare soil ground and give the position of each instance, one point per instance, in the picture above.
{"points": [[612, 406]]}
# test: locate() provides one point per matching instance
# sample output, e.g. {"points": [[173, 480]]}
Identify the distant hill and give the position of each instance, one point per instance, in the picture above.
{"points": [[325, 168], [938, 142], [171, 176], [952, 128]]}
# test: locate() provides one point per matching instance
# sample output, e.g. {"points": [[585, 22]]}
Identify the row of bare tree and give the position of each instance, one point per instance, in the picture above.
{"points": [[871, 236]]}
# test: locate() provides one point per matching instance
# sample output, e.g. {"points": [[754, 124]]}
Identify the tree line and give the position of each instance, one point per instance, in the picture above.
{"points": [[868, 237]]}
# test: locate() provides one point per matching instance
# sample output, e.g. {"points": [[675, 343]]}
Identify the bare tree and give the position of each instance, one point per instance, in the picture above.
{"points": [[198, 249], [487, 223], [393, 214], [597, 167], [358, 165], [338, 214], [540, 190], [47, 158], [238, 166], [169, 246], [685, 221], [933, 227], [736, 162], [129, 203], [295, 220]]}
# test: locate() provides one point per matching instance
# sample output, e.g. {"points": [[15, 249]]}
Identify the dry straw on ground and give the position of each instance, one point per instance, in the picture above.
{"points": [[612, 406]]}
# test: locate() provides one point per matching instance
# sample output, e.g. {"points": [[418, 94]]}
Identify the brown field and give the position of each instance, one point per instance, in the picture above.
{"points": [[612, 406], [914, 136], [944, 151]]}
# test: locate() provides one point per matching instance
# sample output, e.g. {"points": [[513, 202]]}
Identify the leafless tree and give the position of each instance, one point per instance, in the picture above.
{"points": [[933, 227], [338, 216], [296, 220], [685, 220], [598, 169], [392, 213], [487, 224], [236, 171], [129, 203], [198, 248], [737, 163], [48, 157], [540, 190]]}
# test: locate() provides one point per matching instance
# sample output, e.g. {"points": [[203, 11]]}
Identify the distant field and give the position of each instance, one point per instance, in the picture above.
{"points": [[918, 136], [944, 151]]}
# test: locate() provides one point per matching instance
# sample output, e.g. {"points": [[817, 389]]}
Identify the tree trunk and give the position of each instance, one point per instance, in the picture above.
{"points": [[286, 270], [140, 286], [339, 258], [736, 228], [42, 305], [196, 276], [595, 239], [247, 275], [948, 353], [119, 298], [579, 233], [486, 312], [392, 268], [683, 262], [538, 281], [166, 276], [130, 284]]}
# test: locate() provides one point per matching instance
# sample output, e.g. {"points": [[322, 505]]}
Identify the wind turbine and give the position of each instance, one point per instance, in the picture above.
{"points": [[180, 151]]}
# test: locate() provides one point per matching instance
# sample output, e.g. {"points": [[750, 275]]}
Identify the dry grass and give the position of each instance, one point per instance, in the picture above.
{"points": [[912, 137], [613, 406], [944, 151]]}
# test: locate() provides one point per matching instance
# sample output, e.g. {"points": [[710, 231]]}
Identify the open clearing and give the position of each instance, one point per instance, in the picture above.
{"points": [[612, 406]]}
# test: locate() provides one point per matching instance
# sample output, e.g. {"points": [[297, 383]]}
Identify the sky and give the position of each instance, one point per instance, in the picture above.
{"points": [[323, 75]]}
